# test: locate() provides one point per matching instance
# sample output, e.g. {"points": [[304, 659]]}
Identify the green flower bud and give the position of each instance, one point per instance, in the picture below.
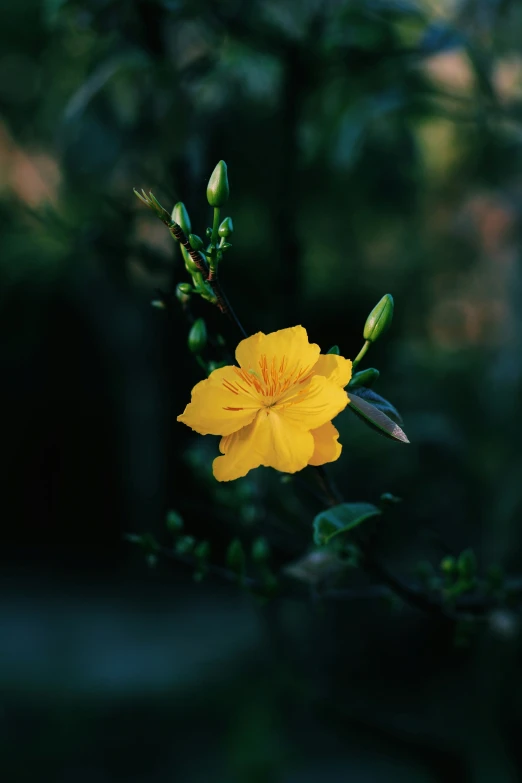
{"points": [[197, 339], [202, 551], [448, 564], [183, 292], [217, 188], [195, 242], [260, 550], [181, 217], [202, 554], [467, 564], [174, 522], [208, 232], [335, 350], [364, 378], [236, 556], [379, 319], [226, 227], [185, 545]]}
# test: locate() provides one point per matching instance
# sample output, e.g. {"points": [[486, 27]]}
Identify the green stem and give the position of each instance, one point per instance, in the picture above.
{"points": [[361, 354], [215, 226]]}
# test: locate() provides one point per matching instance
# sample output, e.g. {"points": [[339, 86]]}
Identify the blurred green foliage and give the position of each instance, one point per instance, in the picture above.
{"points": [[372, 146]]}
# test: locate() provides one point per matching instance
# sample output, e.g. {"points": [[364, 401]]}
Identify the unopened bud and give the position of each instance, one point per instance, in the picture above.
{"points": [[185, 545], [174, 522], [202, 551], [260, 550], [236, 556], [183, 292], [181, 217], [197, 339], [217, 188], [379, 319], [226, 227], [196, 242], [448, 565]]}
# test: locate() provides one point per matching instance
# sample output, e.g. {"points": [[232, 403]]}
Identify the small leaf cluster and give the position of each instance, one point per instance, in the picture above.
{"points": [[257, 559], [188, 546]]}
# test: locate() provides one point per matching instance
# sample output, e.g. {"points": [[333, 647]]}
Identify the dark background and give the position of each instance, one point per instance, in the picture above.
{"points": [[373, 146]]}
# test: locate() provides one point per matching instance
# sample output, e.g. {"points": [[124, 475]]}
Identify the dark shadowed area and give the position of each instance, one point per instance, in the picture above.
{"points": [[373, 147]]}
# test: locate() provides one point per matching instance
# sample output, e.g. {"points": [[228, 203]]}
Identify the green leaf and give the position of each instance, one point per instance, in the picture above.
{"points": [[365, 378], [341, 519], [375, 418]]}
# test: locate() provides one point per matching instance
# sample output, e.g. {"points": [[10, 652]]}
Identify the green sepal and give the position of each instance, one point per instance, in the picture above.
{"points": [[335, 350]]}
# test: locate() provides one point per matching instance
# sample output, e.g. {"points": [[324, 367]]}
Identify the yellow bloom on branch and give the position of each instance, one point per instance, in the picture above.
{"points": [[276, 408]]}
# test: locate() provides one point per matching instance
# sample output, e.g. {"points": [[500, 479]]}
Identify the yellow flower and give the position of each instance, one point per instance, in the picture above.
{"points": [[276, 408]]}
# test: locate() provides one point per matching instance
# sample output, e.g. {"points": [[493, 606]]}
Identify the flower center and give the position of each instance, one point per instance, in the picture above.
{"points": [[271, 380]]}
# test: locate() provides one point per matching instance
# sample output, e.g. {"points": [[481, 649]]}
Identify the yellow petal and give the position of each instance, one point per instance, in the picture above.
{"points": [[313, 404], [270, 440], [336, 368], [221, 404], [291, 344], [327, 446]]}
